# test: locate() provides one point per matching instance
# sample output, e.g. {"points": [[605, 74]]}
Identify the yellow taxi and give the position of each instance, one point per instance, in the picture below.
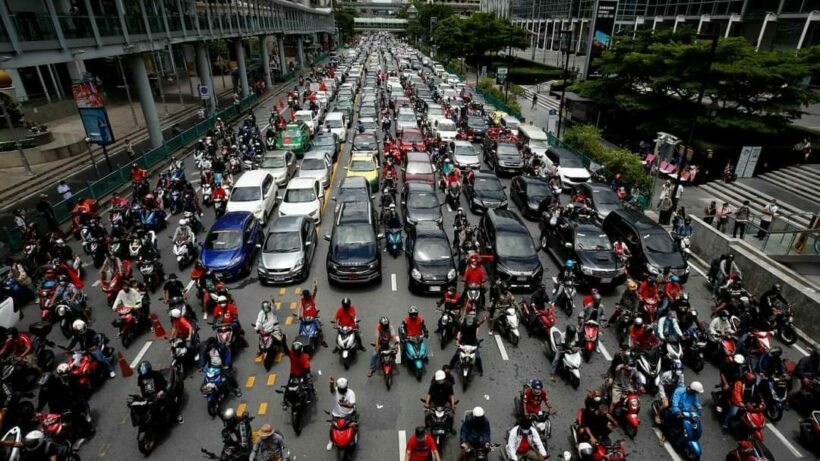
{"points": [[364, 164]]}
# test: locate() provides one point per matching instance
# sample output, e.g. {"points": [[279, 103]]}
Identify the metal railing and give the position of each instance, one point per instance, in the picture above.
{"points": [[789, 242]]}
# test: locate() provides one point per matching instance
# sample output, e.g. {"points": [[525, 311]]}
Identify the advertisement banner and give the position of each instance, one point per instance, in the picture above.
{"points": [[87, 95], [97, 125], [600, 33]]}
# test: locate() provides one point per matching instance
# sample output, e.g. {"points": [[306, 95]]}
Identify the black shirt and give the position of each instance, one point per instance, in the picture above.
{"points": [[440, 392], [152, 383], [174, 288], [597, 424], [469, 335]]}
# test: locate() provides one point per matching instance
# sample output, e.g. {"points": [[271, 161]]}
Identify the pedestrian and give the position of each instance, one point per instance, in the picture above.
{"points": [[129, 149], [64, 190], [806, 149], [769, 213], [236, 100], [678, 217], [709, 212], [723, 216], [665, 208], [742, 216], [534, 100], [678, 193], [666, 192], [48, 213]]}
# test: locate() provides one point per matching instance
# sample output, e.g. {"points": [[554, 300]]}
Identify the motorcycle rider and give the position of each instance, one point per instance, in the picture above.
{"points": [[450, 300], [683, 230], [535, 396], [540, 298], [596, 425], [130, 296], [236, 431], [391, 218], [726, 268], [441, 394], [346, 317], [743, 391], [92, 342], [308, 309], [769, 300], [474, 275], [184, 235], [721, 326], [524, 443], [807, 369], [629, 301], [592, 311], [300, 366], [669, 328], [685, 399], [269, 446], [64, 395], [672, 291], [468, 335], [641, 337], [66, 292], [475, 431], [36, 447], [219, 355], [669, 381], [413, 324], [502, 301], [566, 274], [386, 338], [625, 378], [344, 402], [770, 364], [266, 322], [421, 447], [173, 288], [648, 290], [153, 385], [227, 313], [570, 338], [138, 174], [18, 345], [182, 328]]}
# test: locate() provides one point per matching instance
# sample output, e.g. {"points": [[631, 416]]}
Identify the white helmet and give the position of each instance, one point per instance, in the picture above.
{"points": [[33, 440], [78, 326], [739, 359], [478, 412], [222, 299], [341, 384], [183, 222], [440, 375], [696, 386], [175, 313], [63, 369]]}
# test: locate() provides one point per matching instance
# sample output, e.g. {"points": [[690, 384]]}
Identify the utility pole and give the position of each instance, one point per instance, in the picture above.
{"points": [[563, 33]]}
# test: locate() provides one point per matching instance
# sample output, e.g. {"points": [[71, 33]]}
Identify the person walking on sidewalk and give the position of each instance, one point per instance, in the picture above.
{"points": [[709, 212], [64, 190], [534, 100], [742, 216], [129, 149], [723, 216], [769, 213]]}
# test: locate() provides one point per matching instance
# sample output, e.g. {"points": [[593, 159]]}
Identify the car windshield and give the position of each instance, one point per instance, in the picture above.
{"points": [[300, 195], [508, 150], [323, 141], [364, 142], [292, 132], [570, 161], [223, 240], [304, 117], [512, 124], [538, 189], [246, 194], [369, 124], [419, 168], [605, 197], [353, 234], [464, 151], [283, 242], [406, 117], [658, 243], [595, 241], [476, 122], [273, 162], [446, 126], [538, 144], [353, 194], [361, 165], [313, 164], [434, 112], [422, 200], [411, 136], [431, 249], [489, 184], [514, 245], [335, 123]]}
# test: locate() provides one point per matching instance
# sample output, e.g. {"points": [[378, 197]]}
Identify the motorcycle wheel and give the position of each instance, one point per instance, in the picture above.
{"points": [[787, 334], [419, 373], [213, 409], [465, 383], [346, 362], [388, 380], [181, 264], [442, 339], [514, 340], [586, 355], [146, 442], [65, 328], [296, 419], [691, 456], [99, 259], [774, 413], [630, 431], [574, 381], [126, 340], [696, 363]]}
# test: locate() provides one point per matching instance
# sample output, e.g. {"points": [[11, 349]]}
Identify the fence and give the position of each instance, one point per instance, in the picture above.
{"points": [[499, 104], [122, 175]]}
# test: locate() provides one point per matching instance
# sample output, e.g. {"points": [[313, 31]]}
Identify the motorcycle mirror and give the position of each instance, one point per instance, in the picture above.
{"points": [[327, 237], [258, 245], [279, 391], [380, 236], [308, 243]]}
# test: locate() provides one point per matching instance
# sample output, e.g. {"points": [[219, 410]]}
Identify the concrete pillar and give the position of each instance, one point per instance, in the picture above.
{"points": [[266, 60], [243, 72], [300, 41], [76, 70], [283, 59], [204, 71], [149, 110], [19, 88]]}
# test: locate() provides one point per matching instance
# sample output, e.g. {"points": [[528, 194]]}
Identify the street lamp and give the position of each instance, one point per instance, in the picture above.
{"points": [[7, 88], [568, 44]]}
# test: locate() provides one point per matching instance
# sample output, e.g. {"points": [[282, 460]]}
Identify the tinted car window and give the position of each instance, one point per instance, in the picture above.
{"points": [[592, 241], [283, 242], [514, 245], [223, 240], [431, 249]]}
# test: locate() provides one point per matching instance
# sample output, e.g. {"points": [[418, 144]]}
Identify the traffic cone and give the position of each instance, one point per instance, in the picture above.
{"points": [[124, 366], [159, 332]]}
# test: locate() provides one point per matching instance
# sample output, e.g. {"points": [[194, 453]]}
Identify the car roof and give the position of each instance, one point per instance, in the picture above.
{"points": [[348, 182], [430, 228], [531, 179], [301, 182], [359, 155], [251, 178], [637, 219], [506, 220], [287, 223], [335, 114], [485, 175], [417, 186], [354, 212], [232, 220], [275, 153], [416, 156]]}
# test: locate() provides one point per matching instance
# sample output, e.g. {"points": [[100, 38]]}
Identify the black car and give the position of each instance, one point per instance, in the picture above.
{"points": [[352, 189], [601, 198], [484, 192], [587, 244], [527, 193], [653, 250], [430, 264], [419, 203], [479, 126], [504, 158], [515, 258], [354, 256], [326, 141]]}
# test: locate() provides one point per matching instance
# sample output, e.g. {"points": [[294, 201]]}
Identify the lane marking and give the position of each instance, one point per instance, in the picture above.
{"points": [[297, 291], [294, 305], [278, 305], [258, 359], [669, 449], [240, 409], [141, 353], [190, 285], [785, 441], [697, 269], [250, 381], [283, 291], [402, 445], [279, 357], [289, 321], [801, 350], [263, 408], [604, 352], [96, 284], [271, 379], [501, 347], [393, 284]]}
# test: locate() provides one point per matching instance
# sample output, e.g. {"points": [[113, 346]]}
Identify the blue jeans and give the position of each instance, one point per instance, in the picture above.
{"points": [[730, 415], [557, 360], [103, 360]]}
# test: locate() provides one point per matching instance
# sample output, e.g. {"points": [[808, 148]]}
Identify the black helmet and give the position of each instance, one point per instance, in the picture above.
{"points": [[413, 311], [306, 294], [420, 432], [266, 306], [384, 321], [724, 313], [776, 288], [345, 302], [144, 368], [688, 220], [469, 320], [297, 347], [571, 330], [775, 352]]}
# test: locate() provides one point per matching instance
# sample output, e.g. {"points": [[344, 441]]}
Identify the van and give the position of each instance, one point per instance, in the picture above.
{"points": [[534, 137], [511, 123]]}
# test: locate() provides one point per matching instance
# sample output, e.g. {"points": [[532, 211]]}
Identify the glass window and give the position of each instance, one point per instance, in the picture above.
{"points": [[488, 184], [273, 162], [514, 245], [431, 249], [422, 200], [283, 242], [313, 164], [658, 243], [223, 240], [246, 194], [598, 242], [361, 165], [300, 195]]}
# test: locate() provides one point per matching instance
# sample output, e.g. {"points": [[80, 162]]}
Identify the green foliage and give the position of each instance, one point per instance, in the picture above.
{"points": [[488, 86], [344, 21], [477, 35], [586, 139], [419, 27], [517, 90]]}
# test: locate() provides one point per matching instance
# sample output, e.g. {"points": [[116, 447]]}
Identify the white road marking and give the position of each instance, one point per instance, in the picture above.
{"points": [[398, 354], [604, 352], [785, 441], [669, 449], [142, 353], [501, 348], [801, 350], [97, 283], [402, 445], [190, 285], [697, 269], [393, 283]]}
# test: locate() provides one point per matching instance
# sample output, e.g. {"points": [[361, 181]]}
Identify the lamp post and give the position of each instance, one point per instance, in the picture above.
{"points": [[9, 91], [562, 33]]}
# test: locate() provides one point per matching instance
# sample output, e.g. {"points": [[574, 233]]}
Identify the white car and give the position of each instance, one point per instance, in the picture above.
{"points": [[435, 113], [338, 124], [446, 130], [254, 191], [465, 155], [307, 116], [317, 165], [406, 118], [570, 169], [303, 196]]}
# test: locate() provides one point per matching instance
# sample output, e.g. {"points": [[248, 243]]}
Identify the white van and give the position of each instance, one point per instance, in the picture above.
{"points": [[535, 138], [338, 124]]}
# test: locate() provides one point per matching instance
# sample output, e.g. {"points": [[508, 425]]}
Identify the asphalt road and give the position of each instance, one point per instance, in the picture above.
{"points": [[387, 417]]}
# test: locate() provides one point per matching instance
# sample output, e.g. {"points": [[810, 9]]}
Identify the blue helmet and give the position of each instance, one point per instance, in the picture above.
{"points": [[144, 368], [674, 279], [536, 384], [569, 264]]}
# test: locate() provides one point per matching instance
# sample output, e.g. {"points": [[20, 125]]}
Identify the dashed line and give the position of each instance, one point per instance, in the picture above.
{"points": [[240, 409], [501, 347], [278, 305], [258, 359], [297, 291], [188, 288], [141, 353], [263, 408], [667, 446], [283, 291], [393, 283], [294, 305], [250, 381], [604, 352], [272, 377], [402, 445], [801, 350], [785, 441], [96, 283]]}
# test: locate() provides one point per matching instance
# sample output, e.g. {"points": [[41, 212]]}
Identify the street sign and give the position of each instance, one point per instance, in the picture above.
{"points": [[748, 161], [204, 92], [97, 125], [501, 75]]}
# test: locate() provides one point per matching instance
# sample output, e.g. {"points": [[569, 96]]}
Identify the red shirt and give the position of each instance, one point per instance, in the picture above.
{"points": [[475, 275], [139, 174], [421, 450], [229, 313], [299, 364], [19, 347], [451, 299], [309, 308], [346, 317], [524, 446], [413, 327], [219, 194], [533, 402], [182, 327], [119, 201], [647, 292], [672, 290]]}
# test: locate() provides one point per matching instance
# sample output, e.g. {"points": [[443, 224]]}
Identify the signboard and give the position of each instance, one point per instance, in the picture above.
{"points": [[97, 125], [87, 95], [256, 48], [600, 33], [747, 162], [204, 92], [552, 118], [501, 75]]}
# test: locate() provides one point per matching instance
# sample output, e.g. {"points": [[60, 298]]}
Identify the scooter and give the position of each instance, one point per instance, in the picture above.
{"points": [[415, 351], [344, 435], [387, 360], [270, 345], [185, 253], [447, 324], [207, 191], [598, 452], [309, 334], [152, 273], [467, 357], [591, 330], [775, 391], [296, 399], [649, 369], [628, 413], [686, 437], [214, 388], [508, 325], [394, 241], [537, 321], [783, 327], [810, 431], [439, 421], [219, 208], [694, 342], [473, 301], [86, 371], [749, 422], [129, 323], [570, 366], [346, 344], [566, 300], [453, 195]]}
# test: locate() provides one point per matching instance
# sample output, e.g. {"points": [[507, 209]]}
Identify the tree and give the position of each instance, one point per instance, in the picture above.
{"points": [[587, 140], [477, 35], [344, 21], [419, 27]]}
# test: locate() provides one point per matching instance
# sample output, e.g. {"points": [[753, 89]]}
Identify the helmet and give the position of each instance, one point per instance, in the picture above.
{"points": [[696, 386], [739, 359], [440, 375], [688, 220], [297, 347], [569, 264], [478, 412], [63, 280], [674, 279], [724, 313], [731, 257], [33, 440], [420, 432], [79, 326], [536, 384], [749, 377], [144, 368], [596, 297], [384, 321], [341, 384], [222, 299], [392, 206], [306, 294], [183, 222], [345, 302], [63, 369], [413, 311], [776, 288], [571, 330], [638, 321], [175, 313], [228, 414], [775, 352], [266, 306], [631, 285]]}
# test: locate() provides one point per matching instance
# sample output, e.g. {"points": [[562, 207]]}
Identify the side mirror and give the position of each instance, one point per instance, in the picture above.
{"points": [[258, 245], [327, 237], [278, 197], [380, 236], [308, 243]]}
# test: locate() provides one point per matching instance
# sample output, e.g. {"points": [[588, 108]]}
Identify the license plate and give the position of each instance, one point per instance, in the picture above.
{"points": [[435, 289], [278, 278], [522, 279], [354, 276], [606, 280], [287, 140]]}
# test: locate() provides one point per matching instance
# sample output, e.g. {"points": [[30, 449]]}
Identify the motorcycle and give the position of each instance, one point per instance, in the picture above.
{"points": [[759, 342], [783, 327], [44, 295], [648, 366], [694, 342], [537, 321], [207, 191], [182, 358], [474, 301], [570, 366], [45, 358], [86, 371], [344, 435], [309, 334], [775, 391], [175, 202], [480, 453], [810, 431], [13, 453], [453, 195], [508, 325], [439, 421], [749, 422], [415, 351], [65, 315], [225, 336], [152, 273], [346, 344], [685, 438], [591, 330], [598, 452], [130, 323], [649, 310], [749, 450], [467, 357], [185, 252], [214, 388], [270, 345], [96, 248], [296, 399], [447, 324], [566, 300], [394, 241], [387, 360], [152, 416], [219, 208], [153, 219], [628, 413]]}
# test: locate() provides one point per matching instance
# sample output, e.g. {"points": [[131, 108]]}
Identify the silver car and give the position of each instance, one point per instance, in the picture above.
{"points": [[288, 250], [281, 164], [316, 164]]}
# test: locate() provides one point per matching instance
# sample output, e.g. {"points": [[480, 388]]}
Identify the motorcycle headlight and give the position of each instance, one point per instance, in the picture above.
{"points": [[586, 270], [416, 275], [452, 274], [503, 203]]}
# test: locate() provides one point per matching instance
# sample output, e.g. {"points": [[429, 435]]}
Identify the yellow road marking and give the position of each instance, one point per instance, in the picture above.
{"points": [[297, 290], [271, 379], [278, 305], [263, 408], [258, 359], [327, 192], [250, 381], [289, 321], [240, 409], [294, 305], [283, 291]]}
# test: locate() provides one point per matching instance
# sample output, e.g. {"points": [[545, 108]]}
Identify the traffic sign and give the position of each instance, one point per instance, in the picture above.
{"points": [[204, 92], [501, 75]]}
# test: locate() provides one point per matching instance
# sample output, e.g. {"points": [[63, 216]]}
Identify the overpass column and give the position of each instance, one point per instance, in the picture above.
{"points": [[283, 58], [149, 110], [266, 60], [204, 71], [243, 73], [301, 51]]}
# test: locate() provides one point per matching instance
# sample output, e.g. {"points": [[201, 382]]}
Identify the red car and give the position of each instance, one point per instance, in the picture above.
{"points": [[412, 139], [419, 172]]}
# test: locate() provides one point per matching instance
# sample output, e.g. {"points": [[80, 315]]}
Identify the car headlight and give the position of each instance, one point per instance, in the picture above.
{"points": [[452, 274], [416, 275], [236, 260], [586, 270], [477, 201], [373, 265], [314, 213], [299, 264], [503, 203], [333, 266]]}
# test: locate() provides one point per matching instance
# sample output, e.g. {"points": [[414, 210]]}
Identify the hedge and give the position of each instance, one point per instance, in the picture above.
{"points": [[487, 84], [586, 138]]}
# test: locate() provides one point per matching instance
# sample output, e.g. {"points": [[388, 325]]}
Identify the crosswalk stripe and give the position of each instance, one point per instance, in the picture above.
{"points": [[271, 379], [263, 408], [250, 381]]}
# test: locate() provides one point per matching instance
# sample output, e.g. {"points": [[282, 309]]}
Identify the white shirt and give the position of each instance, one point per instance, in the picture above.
{"points": [[348, 397], [515, 438], [771, 208], [679, 192], [64, 190]]}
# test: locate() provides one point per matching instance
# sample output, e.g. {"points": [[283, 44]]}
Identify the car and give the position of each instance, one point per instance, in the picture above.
{"points": [[229, 249], [515, 258], [254, 191], [527, 193], [412, 139], [601, 198], [327, 142], [406, 118], [303, 196], [338, 123], [435, 113], [446, 130], [370, 125], [309, 118], [288, 251], [316, 164], [368, 110], [484, 192], [479, 126], [419, 203], [511, 123], [419, 172], [344, 104], [295, 137], [652, 249], [504, 158], [352, 189], [364, 164], [281, 164], [365, 142], [465, 155], [431, 266], [353, 256], [586, 243], [570, 169]]}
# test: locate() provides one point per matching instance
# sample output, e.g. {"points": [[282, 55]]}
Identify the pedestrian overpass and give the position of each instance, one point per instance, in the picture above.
{"points": [[376, 24]]}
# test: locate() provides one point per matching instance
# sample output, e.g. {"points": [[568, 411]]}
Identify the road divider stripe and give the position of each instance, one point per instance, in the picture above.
{"points": [[189, 286], [695, 266], [241, 408], [289, 321], [402, 445], [263, 408], [272, 376], [250, 381], [258, 359], [501, 347], [278, 305], [604, 352], [297, 291], [669, 449], [96, 283], [141, 354], [785, 441], [393, 282], [294, 305]]}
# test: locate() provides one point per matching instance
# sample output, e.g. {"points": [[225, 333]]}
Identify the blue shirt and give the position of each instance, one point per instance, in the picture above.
{"points": [[475, 432], [685, 401]]}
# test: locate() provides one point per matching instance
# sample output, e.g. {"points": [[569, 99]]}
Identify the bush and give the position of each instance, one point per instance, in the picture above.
{"points": [[488, 86], [517, 90], [586, 139]]}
